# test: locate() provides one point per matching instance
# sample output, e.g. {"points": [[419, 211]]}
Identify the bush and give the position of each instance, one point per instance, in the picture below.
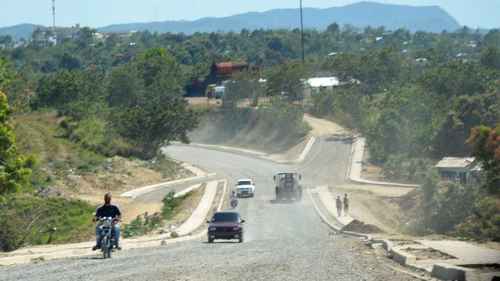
{"points": [[30, 220], [170, 203], [484, 224], [400, 167], [142, 225], [147, 223], [443, 206]]}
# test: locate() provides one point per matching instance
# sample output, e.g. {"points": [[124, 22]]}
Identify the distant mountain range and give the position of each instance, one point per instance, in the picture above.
{"points": [[362, 14], [18, 31], [429, 18]]}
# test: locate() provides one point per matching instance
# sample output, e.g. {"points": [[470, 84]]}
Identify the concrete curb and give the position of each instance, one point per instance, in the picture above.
{"points": [[306, 150], [449, 272], [398, 256], [321, 215], [150, 188], [230, 149], [402, 258], [187, 190], [200, 213], [388, 245], [258, 154], [332, 226], [355, 168]]}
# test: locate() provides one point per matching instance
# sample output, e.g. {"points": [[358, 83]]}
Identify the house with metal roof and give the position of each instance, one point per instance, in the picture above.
{"points": [[462, 170]]}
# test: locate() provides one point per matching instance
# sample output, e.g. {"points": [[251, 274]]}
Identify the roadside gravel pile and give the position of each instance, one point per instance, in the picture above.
{"points": [[361, 227]]}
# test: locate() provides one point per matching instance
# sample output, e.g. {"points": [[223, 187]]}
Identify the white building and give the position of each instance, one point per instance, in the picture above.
{"points": [[322, 82], [314, 85]]}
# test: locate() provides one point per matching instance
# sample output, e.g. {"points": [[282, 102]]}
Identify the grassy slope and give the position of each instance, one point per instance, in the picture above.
{"points": [[68, 169]]}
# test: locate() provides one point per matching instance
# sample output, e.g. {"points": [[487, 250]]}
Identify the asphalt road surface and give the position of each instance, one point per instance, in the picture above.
{"points": [[282, 241]]}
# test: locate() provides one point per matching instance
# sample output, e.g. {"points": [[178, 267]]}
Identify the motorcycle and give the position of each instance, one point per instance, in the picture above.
{"points": [[234, 202], [107, 238]]}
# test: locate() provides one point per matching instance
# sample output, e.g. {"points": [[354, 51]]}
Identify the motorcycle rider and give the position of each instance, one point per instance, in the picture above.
{"points": [[108, 211]]}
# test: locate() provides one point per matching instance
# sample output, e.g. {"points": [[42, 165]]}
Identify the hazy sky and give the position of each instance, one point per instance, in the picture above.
{"points": [[474, 13]]}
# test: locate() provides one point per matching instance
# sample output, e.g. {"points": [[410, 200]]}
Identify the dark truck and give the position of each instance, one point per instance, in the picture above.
{"points": [[288, 186], [225, 225]]}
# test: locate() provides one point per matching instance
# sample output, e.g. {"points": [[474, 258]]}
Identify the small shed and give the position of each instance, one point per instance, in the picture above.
{"points": [[461, 170]]}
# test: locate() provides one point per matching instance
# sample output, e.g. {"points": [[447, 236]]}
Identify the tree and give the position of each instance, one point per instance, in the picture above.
{"points": [[491, 58], [124, 87], [72, 93], [486, 148], [398, 122], [15, 169], [150, 110], [85, 37], [286, 80], [466, 113], [155, 122], [6, 74], [6, 40], [157, 66], [492, 38], [455, 79], [69, 62], [333, 28]]}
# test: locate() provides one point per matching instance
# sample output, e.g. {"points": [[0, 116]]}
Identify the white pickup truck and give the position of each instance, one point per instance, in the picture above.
{"points": [[245, 188]]}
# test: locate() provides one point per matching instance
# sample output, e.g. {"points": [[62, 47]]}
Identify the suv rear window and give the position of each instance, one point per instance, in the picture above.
{"points": [[226, 217], [244, 183]]}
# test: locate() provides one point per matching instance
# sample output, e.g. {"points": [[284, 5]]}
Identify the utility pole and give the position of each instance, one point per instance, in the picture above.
{"points": [[302, 33], [54, 15]]}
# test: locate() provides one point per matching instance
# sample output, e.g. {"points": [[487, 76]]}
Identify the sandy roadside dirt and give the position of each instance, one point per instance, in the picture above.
{"points": [[322, 127], [319, 128], [372, 207], [369, 203], [121, 175]]}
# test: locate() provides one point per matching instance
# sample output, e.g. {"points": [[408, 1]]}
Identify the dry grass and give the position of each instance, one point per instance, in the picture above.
{"points": [[77, 172]]}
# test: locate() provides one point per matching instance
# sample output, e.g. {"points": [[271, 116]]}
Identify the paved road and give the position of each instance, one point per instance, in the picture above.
{"points": [[283, 241]]}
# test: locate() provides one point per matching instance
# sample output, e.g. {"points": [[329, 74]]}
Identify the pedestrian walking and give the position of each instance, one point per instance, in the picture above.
{"points": [[339, 206], [346, 205]]}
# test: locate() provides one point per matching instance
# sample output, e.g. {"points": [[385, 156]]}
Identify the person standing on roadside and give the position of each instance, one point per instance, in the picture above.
{"points": [[346, 205], [338, 203]]}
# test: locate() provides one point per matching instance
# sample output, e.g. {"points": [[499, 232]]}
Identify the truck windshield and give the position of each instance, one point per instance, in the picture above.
{"points": [[226, 217], [244, 183]]}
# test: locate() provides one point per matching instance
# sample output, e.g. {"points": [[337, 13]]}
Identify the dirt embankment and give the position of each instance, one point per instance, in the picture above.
{"points": [[249, 130], [67, 169]]}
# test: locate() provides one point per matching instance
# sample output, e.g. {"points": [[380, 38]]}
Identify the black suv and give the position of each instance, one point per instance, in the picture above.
{"points": [[225, 225]]}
